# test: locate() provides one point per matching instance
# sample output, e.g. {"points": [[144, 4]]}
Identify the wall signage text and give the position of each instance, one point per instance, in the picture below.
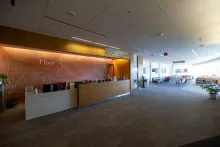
{"points": [[47, 62]]}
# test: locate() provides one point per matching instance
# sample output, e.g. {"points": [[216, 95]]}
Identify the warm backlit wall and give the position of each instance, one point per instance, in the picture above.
{"points": [[35, 68], [121, 68]]}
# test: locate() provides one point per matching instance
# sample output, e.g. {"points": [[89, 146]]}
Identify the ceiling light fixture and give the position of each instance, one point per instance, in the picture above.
{"points": [[114, 47], [13, 2], [196, 54], [80, 39], [202, 45], [99, 44], [161, 34]]}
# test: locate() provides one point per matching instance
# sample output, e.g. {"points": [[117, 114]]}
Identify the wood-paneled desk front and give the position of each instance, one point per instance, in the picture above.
{"points": [[89, 93]]}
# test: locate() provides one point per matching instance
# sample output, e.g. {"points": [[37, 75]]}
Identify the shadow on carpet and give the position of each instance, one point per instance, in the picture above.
{"points": [[210, 142]]}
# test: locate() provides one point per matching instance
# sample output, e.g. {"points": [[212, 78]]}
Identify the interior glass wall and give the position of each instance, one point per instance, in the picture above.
{"points": [[210, 69]]}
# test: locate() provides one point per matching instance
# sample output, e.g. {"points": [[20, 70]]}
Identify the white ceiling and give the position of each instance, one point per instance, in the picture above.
{"points": [[132, 25]]}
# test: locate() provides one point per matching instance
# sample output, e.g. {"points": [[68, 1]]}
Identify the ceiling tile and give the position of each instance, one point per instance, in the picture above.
{"points": [[136, 8], [60, 30], [127, 24], [197, 18], [25, 15], [85, 10], [164, 4], [57, 29]]}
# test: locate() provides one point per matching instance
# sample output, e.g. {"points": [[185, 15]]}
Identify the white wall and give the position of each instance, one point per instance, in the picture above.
{"points": [[160, 67], [147, 70], [154, 65], [208, 68], [168, 68]]}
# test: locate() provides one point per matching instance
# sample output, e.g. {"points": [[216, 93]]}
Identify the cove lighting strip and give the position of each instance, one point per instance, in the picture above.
{"points": [[80, 39]]}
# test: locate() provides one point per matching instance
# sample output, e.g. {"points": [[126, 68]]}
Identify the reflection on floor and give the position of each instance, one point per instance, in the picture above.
{"points": [[154, 117], [171, 84], [13, 115], [195, 88]]}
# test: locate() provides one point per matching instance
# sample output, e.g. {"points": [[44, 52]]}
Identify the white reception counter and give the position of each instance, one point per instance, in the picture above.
{"points": [[37, 105]]}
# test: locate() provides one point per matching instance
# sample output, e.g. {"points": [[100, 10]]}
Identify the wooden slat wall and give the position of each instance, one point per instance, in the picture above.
{"points": [[89, 93]]}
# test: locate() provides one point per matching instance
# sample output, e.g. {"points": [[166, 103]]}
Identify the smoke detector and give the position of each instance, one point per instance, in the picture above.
{"points": [[71, 13], [202, 45]]}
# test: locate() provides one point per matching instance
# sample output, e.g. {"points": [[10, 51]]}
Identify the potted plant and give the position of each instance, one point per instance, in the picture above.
{"points": [[140, 83], [213, 91], [3, 79]]}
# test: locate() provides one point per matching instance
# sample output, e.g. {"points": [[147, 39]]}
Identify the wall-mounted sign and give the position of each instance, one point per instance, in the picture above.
{"points": [[47, 62], [183, 61], [117, 53]]}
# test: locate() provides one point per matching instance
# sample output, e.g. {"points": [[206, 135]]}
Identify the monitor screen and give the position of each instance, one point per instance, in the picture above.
{"points": [[55, 87], [47, 88], [63, 84]]}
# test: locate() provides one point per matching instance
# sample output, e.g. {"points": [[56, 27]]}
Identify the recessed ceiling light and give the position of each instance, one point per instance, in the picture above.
{"points": [[72, 13], [196, 54], [161, 34]]}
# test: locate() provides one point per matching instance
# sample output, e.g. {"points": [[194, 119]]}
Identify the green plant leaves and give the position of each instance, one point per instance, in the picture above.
{"points": [[210, 88], [4, 78]]}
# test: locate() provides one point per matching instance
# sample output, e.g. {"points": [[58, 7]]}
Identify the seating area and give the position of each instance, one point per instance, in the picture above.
{"points": [[167, 79], [178, 79], [181, 81], [207, 80], [157, 80]]}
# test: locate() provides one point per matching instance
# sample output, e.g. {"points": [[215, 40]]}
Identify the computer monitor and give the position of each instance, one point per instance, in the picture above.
{"points": [[71, 85], [63, 84], [47, 88], [55, 87]]}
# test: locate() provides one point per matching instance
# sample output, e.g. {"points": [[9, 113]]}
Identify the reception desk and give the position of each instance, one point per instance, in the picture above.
{"points": [[41, 104], [89, 93]]}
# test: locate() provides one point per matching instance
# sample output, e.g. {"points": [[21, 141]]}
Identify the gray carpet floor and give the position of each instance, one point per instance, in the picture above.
{"points": [[154, 117]]}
